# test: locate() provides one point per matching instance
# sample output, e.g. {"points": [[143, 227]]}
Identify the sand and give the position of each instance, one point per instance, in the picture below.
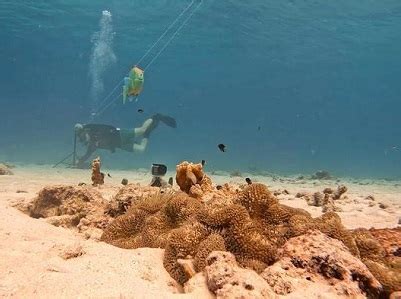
{"points": [[40, 260]]}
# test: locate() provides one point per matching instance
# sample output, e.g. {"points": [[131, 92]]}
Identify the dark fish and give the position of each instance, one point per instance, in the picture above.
{"points": [[140, 110], [222, 147], [248, 180], [219, 187], [109, 175], [258, 128], [203, 162], [170, 181]]}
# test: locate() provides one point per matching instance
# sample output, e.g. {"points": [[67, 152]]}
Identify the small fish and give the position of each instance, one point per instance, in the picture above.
{"points": [[219, 187], [109, 175], [395, 147], [140, 110], [203, 162], [249, 181], [222, 147], [259, 128]]}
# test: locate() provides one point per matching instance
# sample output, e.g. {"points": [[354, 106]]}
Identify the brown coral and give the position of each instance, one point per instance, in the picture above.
{"points": [[191, 179], [123, 231], [242, 237], [213, 242], [133, 229], [182, 242], [254, 197], [97, 176], [177, 211], [330, 224], [384, 266]]}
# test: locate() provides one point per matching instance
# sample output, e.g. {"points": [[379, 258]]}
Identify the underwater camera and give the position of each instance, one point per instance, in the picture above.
{"points": [[158, 171]]}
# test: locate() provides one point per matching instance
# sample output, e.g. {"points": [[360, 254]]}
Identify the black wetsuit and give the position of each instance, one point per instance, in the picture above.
{"points": [[100, 136]]}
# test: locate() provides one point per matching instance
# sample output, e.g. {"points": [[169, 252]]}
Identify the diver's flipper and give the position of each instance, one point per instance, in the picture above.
{"points": [[167, 120]]}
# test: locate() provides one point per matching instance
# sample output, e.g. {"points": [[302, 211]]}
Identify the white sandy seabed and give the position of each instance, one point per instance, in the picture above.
{"points": [[30, 249]]}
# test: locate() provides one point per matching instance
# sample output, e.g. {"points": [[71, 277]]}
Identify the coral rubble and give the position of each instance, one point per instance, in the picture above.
{"points": [[70, 206], [315, 259], [97, 176], [5, 169], [227, 280]]}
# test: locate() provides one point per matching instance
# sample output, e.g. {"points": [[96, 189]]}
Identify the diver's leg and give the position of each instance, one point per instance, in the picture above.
{"points": [[140, 147], [148, 126]]}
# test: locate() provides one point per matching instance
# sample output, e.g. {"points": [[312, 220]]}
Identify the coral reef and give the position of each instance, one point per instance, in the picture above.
{"points": [[376, 248], [389, 238], [182, 243], [258, 231], [70, 206], [5, 169], [127, 195], [329, 224], [97, 176], [213, 242], [191, 179], [315, 259], [150, 220], [227, 280], [241, 235]]}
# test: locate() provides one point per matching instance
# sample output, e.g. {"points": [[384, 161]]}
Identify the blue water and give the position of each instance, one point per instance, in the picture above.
{"points": [[321, 80]]}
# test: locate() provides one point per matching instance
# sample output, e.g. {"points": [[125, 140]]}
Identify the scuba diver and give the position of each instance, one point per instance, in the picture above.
{"points": [[100, 136]]}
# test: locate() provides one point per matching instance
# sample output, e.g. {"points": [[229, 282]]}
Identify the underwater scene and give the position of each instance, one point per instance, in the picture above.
{"points": [[290, 87], [200, 149]]}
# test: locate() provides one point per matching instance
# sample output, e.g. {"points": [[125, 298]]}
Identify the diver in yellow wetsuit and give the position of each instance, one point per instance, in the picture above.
{"points": [[100, 136]]}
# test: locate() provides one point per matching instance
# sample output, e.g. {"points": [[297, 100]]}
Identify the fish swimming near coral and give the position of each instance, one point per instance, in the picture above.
{"points": [[222, 147]]}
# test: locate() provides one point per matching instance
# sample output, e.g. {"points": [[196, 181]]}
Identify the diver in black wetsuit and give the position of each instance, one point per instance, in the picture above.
{"points": [[99, 136]]}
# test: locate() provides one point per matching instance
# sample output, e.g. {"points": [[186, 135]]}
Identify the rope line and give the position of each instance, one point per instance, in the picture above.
{"points": [[109, 95], [103, 104], [174, 35], [108, 105], [165, 32]]}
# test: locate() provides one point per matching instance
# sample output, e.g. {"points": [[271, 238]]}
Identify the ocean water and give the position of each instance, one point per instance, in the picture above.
{"points": [[288, 86]]}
